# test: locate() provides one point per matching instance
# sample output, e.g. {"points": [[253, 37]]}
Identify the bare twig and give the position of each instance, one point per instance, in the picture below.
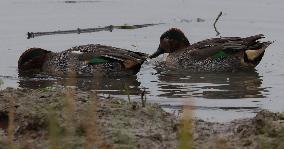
{"points": [[88, 30], [219, 15]]}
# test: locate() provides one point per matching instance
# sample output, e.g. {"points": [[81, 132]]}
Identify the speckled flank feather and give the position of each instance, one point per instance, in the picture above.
{"points": [[194, 64], [74, 61]]}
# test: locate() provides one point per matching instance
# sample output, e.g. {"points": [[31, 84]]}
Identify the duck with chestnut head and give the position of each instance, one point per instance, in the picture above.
{"points": [[216, 54], [85, 60]]}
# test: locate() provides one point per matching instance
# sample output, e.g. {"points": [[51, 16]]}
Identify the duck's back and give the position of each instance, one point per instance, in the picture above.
{"points": [[94, 60], [232, 54]]}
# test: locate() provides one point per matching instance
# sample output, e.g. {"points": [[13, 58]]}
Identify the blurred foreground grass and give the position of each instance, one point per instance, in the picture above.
{"points": [[66, 118]]}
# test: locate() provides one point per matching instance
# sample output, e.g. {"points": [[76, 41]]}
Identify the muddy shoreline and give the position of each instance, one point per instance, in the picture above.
{"points": [[69, 118]]}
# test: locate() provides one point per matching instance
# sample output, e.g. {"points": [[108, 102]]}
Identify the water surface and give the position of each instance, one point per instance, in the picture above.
{"points": [[213, 96]]}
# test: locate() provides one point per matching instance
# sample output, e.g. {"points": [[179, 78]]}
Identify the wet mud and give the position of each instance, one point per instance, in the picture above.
{"points": [[68, 118]]}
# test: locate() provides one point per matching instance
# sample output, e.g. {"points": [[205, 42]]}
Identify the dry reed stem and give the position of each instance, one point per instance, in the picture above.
{"points": [[143, 98], [70, 105], [126, 88], [11, 117], [91, 126], [54, 138], [221, 143], [186, 128], [1, 83], [70, 108], [92, 135]]}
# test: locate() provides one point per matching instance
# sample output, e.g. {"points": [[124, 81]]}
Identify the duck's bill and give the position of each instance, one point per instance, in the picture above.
{"points": [[157, 53]]}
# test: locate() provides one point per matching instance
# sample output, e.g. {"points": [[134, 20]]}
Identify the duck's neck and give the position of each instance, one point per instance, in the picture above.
{"points": [[181, 46]]}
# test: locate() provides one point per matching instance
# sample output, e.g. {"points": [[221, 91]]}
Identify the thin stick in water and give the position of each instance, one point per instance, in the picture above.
{"points": [[220, 14]]}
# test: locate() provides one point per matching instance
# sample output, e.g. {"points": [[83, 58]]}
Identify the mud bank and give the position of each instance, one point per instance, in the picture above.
{"points": [[67, 118], [264, 131]]}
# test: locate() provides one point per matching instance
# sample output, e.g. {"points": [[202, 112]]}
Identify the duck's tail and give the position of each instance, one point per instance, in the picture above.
{"points": [[253, 39], [254, 53]]}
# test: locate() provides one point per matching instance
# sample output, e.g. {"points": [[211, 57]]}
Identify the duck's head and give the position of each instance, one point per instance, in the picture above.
{"points": [[32, 59], [171, 41]]}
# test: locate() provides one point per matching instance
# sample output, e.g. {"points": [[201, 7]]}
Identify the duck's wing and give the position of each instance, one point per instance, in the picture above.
{"points": [[99, 54], [226, 45]]}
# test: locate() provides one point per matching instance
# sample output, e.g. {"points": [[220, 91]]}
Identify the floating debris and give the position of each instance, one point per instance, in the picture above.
{"points": [[200, 20], [191, 20], [186, 20], [73, 1], [88, 30]]}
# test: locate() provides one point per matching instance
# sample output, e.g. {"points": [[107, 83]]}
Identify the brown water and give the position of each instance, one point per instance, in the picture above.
{"points": [[214, 96]]}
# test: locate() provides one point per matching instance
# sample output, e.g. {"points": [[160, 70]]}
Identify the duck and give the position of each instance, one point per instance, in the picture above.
{"points": [[215, 54], [84, 60]]}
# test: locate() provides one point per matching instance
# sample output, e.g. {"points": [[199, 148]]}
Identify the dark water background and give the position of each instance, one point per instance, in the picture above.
{"points": [[214, 96]]}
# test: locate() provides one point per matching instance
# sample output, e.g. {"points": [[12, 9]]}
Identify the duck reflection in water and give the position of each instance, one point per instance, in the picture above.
{"points": [[104, 85], [177, 84]]}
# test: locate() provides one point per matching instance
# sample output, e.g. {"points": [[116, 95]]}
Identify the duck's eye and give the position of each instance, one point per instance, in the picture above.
{"points": [[166, 39]]}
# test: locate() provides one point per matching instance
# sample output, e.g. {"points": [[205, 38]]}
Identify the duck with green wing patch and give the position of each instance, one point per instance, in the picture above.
{"points": [[216, 54], [85, 60]]}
